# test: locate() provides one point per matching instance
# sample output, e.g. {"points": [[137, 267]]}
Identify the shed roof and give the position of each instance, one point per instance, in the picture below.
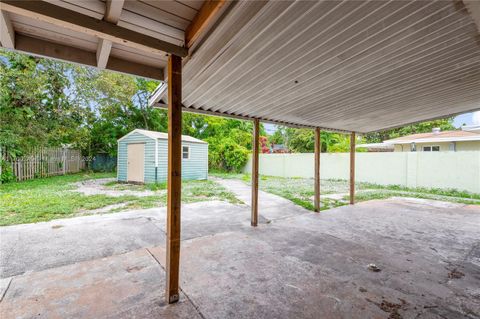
{"points": [[163, 136], [343, 65]]}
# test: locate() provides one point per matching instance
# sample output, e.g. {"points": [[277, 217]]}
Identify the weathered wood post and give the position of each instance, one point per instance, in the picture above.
{"points": [[174, 177], [352, 168], [318, 147], [255, 147]]}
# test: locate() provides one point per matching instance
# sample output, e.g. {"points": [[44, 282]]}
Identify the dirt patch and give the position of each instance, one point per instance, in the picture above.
{"points": [[102, 210], [97, 187], [455, 274], [390, 307]]}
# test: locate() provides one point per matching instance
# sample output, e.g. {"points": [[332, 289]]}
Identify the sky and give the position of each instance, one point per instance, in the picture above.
{"points": [[466, 118]]}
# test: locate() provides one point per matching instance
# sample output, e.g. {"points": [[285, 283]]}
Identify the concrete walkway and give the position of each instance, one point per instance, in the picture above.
{"points": [[270, 206], [300, 265]]}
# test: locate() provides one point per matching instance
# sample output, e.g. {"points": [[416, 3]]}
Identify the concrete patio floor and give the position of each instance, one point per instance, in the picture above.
{"points": [[295, 264]]}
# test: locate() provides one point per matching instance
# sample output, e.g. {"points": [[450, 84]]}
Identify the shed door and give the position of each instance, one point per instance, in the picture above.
{"points": [[135, 162]]}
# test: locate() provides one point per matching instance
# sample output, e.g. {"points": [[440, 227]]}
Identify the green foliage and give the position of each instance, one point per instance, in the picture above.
{"points": [[303, 140], [55, 197], [7, 173], [48, 103], [226, 154]]}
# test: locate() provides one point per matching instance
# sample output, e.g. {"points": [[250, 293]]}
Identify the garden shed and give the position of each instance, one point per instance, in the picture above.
{"points": [[142, 157]]}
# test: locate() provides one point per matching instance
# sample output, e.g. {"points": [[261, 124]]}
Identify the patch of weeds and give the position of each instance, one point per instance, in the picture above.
{"points": [[52, 198], [156, 186], [301, 191], [385, 194], [195, 191], [226, 175]]}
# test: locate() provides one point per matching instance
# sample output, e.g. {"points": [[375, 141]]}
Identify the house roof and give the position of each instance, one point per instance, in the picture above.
{"points": [[380, 146], [162, 136], [446, 136]]}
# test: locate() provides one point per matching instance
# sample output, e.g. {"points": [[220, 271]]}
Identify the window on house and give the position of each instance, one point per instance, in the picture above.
{"points": [[452, 146], [431, 148], [413, 147], [185, 152]]}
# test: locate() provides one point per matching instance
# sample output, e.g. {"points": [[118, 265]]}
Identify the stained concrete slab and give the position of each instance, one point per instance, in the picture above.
{"points": [[129, 285], [315, 265], [39, 246], [299, 265]]}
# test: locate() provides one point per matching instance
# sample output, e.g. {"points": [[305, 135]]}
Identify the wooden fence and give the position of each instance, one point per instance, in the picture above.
{"points": [[45, 162]]}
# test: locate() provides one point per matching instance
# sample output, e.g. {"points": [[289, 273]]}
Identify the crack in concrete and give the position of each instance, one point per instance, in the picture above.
{"points": [[6, 288]]}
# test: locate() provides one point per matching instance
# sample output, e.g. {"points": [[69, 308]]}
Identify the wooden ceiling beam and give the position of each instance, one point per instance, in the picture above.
{"points": [[48, 49], [473, 7], [7, 33], [204, 18], [72, 20], [113, 10]]}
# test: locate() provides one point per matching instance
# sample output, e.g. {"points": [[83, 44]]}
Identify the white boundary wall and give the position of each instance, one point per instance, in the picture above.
{"points": [[457, 170]]}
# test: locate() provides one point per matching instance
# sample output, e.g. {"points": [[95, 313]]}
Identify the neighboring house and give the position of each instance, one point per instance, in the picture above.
{"points": [[278, 148], [466, 139], [142, 157], [377, 147]]}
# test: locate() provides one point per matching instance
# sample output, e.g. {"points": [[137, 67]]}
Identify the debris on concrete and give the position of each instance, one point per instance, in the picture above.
{"points": [[373, 267], [455, 274]]}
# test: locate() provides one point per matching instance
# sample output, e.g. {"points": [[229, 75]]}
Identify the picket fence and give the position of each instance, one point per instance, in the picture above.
{"points": [[45, 162]]}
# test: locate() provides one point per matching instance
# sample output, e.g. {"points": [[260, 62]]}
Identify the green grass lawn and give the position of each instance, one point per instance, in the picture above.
{"points": [[301, 191], [54, 197]]}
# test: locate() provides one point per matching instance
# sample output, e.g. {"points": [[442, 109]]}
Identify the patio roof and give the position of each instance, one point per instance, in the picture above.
{"points": [[342, 65]]}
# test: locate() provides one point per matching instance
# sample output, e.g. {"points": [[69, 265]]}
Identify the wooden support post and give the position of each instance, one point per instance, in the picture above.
{"points": [[255, 149], [174, 176], [352, 168], [318, 149]]}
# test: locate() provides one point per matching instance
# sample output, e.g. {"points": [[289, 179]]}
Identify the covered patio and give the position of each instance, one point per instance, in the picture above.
{"points": [[295, 264], [347, 66]]}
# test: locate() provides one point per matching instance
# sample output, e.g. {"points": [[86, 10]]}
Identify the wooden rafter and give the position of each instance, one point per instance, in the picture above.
{"points": [[78, 22], [113, 10], [473, 7], [44, 48], [207, 14], [7, 34]]}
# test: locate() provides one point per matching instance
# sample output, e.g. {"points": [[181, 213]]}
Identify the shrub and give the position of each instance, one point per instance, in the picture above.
{"points": [[7, 173], [225, 154]]}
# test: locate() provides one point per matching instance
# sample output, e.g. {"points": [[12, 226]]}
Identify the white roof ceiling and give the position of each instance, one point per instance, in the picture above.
{"points": [[350, 65], [344, 65]]}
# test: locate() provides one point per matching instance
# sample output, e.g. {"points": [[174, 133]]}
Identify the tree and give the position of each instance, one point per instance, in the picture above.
{"points": [[36, 106]]}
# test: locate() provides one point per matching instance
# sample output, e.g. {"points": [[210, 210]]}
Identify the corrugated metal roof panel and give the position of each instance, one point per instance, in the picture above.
{"points": [[349, 65]]}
